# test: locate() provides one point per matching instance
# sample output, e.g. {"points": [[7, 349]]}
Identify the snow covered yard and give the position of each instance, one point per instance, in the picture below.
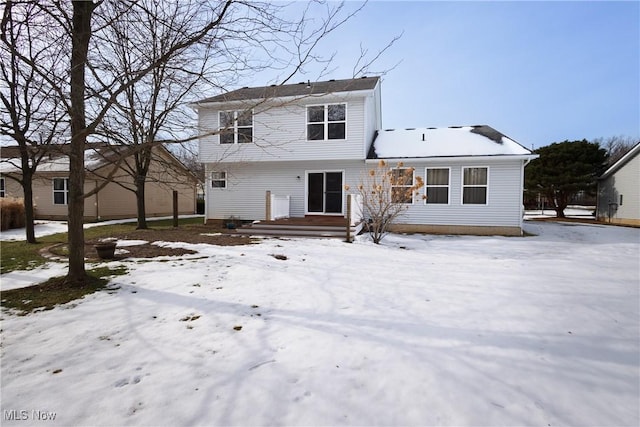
{"points": [[422, 330]]}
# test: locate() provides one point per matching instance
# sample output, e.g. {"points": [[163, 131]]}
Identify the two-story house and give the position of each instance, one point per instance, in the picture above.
{"points": [[304, 142]]}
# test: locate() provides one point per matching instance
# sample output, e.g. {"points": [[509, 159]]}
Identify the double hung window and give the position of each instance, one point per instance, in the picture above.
{"points": [[60, 191], [437, 186], [475, 182], [218, 180], [236, 127], [326, 122], [2, 188], [402, 185]]}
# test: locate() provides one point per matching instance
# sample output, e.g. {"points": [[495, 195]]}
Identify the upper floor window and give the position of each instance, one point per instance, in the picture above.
{"points": [[475, 182], [437, 186], [326, 122], [236, 127], [218, 179], [402, 185], [60, 191], [2, 190]]}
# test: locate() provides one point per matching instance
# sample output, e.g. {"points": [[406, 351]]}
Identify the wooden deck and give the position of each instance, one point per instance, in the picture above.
{"points": [[309, 226], [311, 220]]}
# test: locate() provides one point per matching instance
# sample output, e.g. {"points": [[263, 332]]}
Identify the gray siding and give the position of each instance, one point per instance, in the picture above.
{"points": [[504, 207], [247, 184], [626, 182], [280, 133]]}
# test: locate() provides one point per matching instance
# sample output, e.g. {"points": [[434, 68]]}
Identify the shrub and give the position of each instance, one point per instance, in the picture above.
{"points": [[11, 213], [386, 193]]}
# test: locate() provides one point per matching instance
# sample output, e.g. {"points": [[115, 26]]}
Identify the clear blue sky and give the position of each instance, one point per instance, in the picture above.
{"points": [[540, 72]]}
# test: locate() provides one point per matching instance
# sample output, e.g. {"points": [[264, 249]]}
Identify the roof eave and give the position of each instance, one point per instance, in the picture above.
{"points": [[621, 162], [283, 99], [453, 158]]}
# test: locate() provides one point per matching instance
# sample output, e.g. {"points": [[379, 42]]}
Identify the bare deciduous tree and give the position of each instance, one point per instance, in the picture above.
{"points": [[32, 116], [250, 35], [616, 146]]}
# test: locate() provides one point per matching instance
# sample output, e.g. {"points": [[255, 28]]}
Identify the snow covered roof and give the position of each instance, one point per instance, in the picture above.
{"points": [[54, 158], [461, 141], [297, 89]]}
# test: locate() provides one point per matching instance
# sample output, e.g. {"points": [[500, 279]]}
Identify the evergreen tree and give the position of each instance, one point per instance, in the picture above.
{"points": [[565, 169]]}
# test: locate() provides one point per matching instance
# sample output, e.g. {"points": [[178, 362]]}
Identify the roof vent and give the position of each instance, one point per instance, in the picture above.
{"points": [[389, 130], [301, 83], [246, 87], [363, 77], [332, 80], [410, 128]]}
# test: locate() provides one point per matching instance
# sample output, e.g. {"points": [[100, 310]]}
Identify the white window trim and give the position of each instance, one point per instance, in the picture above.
{"points": [[326, 121], [462, 186], [65, 191], [426, 184], [306, 190], [3, 188], [413, 182], [235, 126], [225, 180]]}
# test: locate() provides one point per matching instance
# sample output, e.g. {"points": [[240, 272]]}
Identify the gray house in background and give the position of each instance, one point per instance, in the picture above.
{"points": [[619, 190]]}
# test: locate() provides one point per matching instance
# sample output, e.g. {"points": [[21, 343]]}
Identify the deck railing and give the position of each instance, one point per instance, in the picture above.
{"points": [[277, 207], [355, 209]]}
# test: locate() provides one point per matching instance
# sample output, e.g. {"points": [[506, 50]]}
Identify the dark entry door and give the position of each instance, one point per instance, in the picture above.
{"points": [[324, 192]]}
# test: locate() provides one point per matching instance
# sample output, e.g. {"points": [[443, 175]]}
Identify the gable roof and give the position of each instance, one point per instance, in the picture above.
{"points": [[298, 89], [463, 141], [96, 155], [622, 161]]}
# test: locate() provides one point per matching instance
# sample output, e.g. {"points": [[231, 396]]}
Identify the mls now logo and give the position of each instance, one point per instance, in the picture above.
{"points": [[22, 415]]}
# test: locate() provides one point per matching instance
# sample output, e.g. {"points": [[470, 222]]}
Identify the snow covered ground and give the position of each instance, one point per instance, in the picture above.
{"points": [[421, 330]]}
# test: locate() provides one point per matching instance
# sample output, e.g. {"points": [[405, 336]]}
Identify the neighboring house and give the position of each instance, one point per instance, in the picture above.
{"points": [[619, 190], [304, 142], [114, 200]]}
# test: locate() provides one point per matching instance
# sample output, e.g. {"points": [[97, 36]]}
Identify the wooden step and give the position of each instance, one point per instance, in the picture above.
{"points": [[296, 230]]}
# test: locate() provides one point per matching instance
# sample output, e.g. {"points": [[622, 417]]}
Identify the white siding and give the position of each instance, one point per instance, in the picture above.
{"points": [[626, 182], [373, 119], [247, 184], [504, 196], [280, 134]]}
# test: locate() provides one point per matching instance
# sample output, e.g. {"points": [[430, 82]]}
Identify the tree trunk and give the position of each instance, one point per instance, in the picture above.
{"points": [[142, 210], [29, 214], [27, 190], [81, 33]]}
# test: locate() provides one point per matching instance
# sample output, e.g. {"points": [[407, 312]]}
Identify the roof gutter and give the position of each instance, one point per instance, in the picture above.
{"points": [[526, 157]]}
